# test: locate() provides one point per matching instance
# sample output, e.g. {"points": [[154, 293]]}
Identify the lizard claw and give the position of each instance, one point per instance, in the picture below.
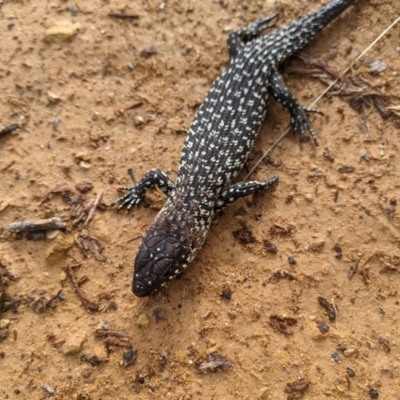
{"points": [[132, 198]]}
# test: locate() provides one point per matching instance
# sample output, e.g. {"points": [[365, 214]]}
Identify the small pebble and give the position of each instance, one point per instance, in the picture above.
{"points": [[74, 10], [350, 372], [349, 352], [165, 375], [292, 260], [373, 393], [63, 276], [162, 362], [335, 357], [56, 122], [143, 320], [48, 388], [103, 325], [4, 323], [129, 357], [131, 66], [61, 296]]}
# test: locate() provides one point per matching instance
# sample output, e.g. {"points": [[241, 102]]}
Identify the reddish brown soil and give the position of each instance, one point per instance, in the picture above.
{"points": [[85, 83]]}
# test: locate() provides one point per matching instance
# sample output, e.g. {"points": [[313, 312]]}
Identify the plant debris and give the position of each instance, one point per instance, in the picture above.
{"points": [[3, 334], [88, 243], [91, 360], [82, 213], [330, 308], [296, 389], [244, 235], [270, 247], [354, 90], [42, 303], [282, 324], [278, 275], [215, 362], [114, 338], [36, 225], [86, 302]]}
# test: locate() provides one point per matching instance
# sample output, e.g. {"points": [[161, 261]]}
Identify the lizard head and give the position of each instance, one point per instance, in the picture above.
{"points": [[161, 256]]}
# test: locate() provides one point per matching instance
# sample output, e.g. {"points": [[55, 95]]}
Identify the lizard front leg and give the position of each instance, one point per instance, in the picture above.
{"points": [[154, 177]]}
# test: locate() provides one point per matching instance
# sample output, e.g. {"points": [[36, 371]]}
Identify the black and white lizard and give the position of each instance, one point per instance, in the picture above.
{"points": [[218, 144]]}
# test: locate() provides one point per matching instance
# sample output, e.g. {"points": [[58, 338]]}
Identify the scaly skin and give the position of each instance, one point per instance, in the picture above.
{"points": [[218, 144]]}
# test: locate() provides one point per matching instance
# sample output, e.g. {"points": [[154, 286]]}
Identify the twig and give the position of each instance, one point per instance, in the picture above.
{"points": [[136, 104], [123, 15], [93, 209], [324, 93], [103, 333], [86, 302], [36, 225]]}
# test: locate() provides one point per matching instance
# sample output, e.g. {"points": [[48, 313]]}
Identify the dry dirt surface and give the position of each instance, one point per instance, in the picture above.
{"points": [[295, 293]]}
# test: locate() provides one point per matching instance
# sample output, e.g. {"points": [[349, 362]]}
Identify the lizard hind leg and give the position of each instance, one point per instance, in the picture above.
{"points": [[242, 189], [239, 37], [298, 114]]}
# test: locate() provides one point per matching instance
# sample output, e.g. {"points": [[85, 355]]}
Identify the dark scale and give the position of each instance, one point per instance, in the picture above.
{"points": [[218, 144]]}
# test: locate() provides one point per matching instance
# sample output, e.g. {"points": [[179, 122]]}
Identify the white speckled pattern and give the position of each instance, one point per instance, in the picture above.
{"points": [[218, 144]]}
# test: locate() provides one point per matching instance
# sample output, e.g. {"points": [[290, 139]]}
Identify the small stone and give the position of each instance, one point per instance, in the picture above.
{"points": [[378, 171], [373, 393], [148, 52], [264, 393], [335, 357], [56, 122], [350, 372], [84, 156], [57, 249], [84, 165], [74, 345], [330, 180], [52, 233], [292, 260], [101, 353], [317, 245], [74, 10], [84, 186], [349, 352], [63, 276], [4, 323], [103, 325], [131, 66], [165, 375], [282, 358], [316, 333], [129, 356], [143, 320], [48, 388], [309, 197], [53, 97], [138, 120], [62, 31], [4, 203]]}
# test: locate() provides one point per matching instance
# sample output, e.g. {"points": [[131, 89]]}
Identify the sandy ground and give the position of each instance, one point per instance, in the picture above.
{"points": [[121, 93]]}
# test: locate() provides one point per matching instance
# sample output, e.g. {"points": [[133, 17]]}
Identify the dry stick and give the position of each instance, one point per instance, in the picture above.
{"points": [[93, 209], [87, 303], [324, 93], [36, 225]]}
